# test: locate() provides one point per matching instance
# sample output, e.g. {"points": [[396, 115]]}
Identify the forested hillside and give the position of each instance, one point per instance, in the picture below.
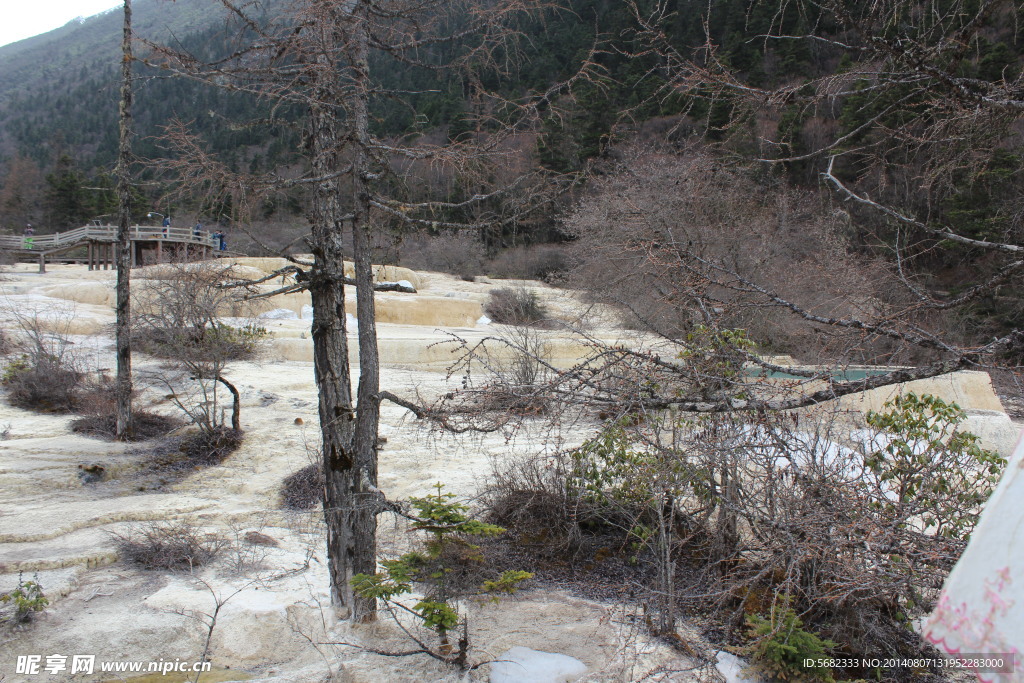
{"points": [[58, 100], [58, 94]]}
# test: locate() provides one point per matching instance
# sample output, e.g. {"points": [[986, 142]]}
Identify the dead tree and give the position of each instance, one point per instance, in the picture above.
{"points": [[124, 428], [319, 57], [911, 120], [177, 318], [704, 267], [714, 269]]}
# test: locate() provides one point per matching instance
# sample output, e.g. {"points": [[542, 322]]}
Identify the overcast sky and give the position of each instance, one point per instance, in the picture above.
{"points": [[26, 18]]}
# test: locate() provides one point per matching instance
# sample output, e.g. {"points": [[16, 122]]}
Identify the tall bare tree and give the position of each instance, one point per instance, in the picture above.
{"points": [[124, 427], [321, 57]]}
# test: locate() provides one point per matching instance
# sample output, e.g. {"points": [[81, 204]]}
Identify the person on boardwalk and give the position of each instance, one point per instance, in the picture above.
{"points": [[166, 225], [197, 232], [29, 235], [223, 242]]}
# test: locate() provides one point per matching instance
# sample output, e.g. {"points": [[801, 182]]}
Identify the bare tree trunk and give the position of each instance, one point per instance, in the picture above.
{"points": [[666, 587], [330, 343], [236, 404], [123, 390], [330, 366], [348, 436], [319, 56], [368, 406]]}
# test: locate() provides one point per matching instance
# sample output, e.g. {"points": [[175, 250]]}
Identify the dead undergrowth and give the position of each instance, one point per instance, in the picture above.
{"points": [[178, 545]]}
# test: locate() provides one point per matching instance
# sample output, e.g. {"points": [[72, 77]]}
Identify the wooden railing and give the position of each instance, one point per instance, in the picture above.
{"points": [[106, 233]]}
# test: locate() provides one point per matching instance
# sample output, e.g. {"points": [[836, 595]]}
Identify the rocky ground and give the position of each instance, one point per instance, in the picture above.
{"points": [[273, 620]]}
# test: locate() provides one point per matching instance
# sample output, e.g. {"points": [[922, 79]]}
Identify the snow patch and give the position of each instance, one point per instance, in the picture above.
{"points": [[279, 314], [733, 669], [523, 665], [484, 320], [400, 283]]}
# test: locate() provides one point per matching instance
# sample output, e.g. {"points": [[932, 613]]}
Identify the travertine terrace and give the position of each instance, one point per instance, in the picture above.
{"points": [[54, 524]]}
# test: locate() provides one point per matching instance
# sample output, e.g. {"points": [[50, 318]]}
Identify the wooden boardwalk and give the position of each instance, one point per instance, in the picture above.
{"points": [[99, 241]]}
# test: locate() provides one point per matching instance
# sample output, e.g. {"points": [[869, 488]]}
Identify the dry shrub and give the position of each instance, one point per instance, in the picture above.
{"points": [[248, 548], [45, 376], [562, 538], [528, 496], [670, 238], [177, 545], [534, 262], [277, 229], [516, 362], [177, 318], [217, 341], [208, 448], [514, 306], [146, 425], [164, 461], [42, 383], [98, 407], [459, 253], [304, 489], [501, 399], [725, 518]]}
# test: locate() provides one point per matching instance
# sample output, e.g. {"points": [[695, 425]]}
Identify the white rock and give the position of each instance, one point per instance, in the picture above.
{"points": [[995, 428], [523, 665]]}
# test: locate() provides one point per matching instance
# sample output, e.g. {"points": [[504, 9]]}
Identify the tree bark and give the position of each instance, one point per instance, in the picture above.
{"points": [[321, 59], [368, 406], [123, 388], [236, 404], [330, 343]]}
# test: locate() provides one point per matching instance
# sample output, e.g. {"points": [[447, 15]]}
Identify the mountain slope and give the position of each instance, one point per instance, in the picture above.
{"points": [[41, 60]]}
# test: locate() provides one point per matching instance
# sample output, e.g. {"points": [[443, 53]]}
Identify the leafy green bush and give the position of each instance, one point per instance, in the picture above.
{"points": [[26, 599], [712, 360], [781, 648], [448, 567], [929, 459]]}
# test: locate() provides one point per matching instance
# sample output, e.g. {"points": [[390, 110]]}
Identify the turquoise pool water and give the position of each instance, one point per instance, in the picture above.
{"points": [[851, 375]]}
